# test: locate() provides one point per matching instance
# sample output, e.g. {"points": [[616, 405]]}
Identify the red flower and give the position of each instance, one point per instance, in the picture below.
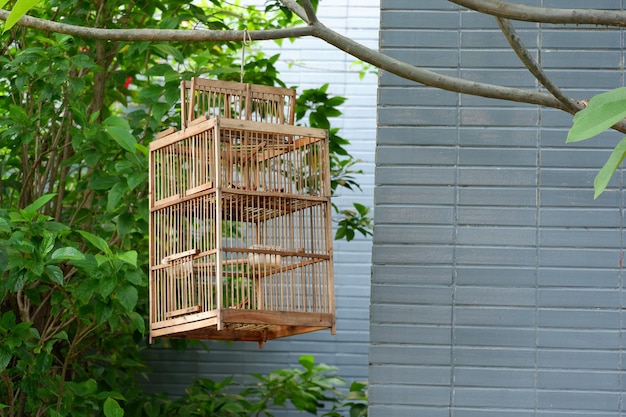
{"points": [[128, 81]]}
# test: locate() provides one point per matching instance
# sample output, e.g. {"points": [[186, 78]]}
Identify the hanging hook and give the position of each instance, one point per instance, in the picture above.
{"points": [[247, 40]]}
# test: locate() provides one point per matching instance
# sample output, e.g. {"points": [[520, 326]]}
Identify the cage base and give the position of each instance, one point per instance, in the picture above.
{"points": [[245, 325]]}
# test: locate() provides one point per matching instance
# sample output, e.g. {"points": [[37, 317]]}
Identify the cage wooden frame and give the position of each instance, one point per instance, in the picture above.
{"points": [[240, 231], [202, 97]]}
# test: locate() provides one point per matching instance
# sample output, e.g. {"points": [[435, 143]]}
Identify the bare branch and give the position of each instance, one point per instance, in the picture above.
{"points": [[433, 79], [310, 12], [545, 15], [297, 9], [157, 35], [533, 66]]}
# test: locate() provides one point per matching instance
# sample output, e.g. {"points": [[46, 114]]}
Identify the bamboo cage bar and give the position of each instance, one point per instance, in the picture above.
{"points": [[240, 227]]}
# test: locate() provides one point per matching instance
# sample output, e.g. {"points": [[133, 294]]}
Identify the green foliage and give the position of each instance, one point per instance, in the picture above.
{"points": [[65, 312], [602, 112], [76, 118], [354, 220], [312, 388], [317, 107]]}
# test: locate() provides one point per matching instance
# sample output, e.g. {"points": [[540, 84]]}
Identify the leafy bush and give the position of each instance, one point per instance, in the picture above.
{"points": [[312, 388]]}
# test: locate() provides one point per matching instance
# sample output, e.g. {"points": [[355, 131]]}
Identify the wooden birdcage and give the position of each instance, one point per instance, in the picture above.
{"points": [[240, 228]]}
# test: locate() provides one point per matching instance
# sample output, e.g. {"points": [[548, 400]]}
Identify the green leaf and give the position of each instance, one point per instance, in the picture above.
{"points": [[67, 253], [130, 257], [103, 312], [341, 232], [363, 210], [20, 9], [106, 287], [307, 361], [97, 241], [608, 169], [112, 408], [4, 225], [602, 112], [39, 203], [138, 322], [122, 137], [168, 50], [116, 121], [125, 223], [5, 358], [115, 195], [4, 259], [86, 388], [128, 296], [55, 274], [100, 259]]}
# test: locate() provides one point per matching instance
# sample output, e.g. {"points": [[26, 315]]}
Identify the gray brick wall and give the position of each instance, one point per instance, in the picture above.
{"points": [[497, 286]]}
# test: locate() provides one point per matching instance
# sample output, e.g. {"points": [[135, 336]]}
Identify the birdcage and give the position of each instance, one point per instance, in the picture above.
{"points": [[240, 226]]}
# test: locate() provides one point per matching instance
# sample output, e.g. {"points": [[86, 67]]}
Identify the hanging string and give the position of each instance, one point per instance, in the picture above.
{"points": [[247, 41]]}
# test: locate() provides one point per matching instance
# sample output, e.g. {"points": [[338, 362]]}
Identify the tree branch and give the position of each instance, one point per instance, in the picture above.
{"points": [[297, 9], [533, 66], [545, 15], [310, 12], [157, 35], [433, 79], [316, 29]]}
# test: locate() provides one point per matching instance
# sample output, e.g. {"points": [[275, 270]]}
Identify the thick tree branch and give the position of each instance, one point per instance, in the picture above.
{"points": [[157, 35], [316, 29], [433, 79], [545, 15]]}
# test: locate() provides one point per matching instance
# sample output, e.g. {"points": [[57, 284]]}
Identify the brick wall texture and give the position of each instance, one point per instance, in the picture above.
{"points": [[497, 286]]}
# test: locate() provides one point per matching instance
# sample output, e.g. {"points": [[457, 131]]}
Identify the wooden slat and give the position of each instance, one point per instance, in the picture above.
{"points": [[203, 315], [179, 135], [272, 128], [166, 132], [167, 200], [182, 328], [297, 144], [182, 311], [199, 188], [165, 204], [179, 255]]}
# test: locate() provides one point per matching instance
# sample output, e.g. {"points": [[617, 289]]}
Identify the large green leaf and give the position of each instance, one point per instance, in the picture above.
{"points": [[602, 112], [55, 274], [610, 166], [112, 408], [20, 9], [67, 254], [97, 241], [130, 257], [5, 357], [122, 137], [115, 195], [128, 296], [39, 203]]}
